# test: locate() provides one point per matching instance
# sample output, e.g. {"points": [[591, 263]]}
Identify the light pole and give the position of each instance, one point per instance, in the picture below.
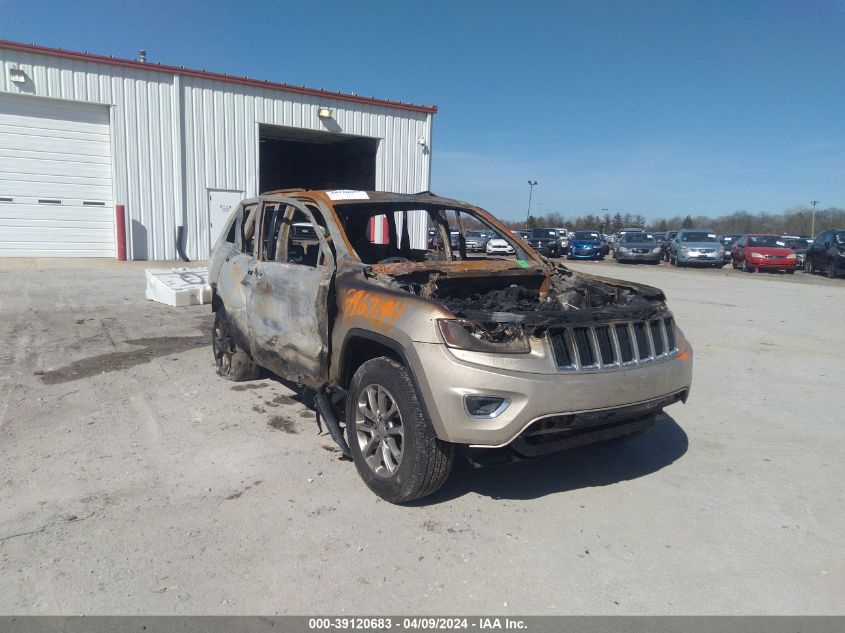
{"points": [[813, 224], [603, 227], [531, 184]]}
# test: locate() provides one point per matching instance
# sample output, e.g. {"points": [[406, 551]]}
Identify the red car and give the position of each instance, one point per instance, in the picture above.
{"points": [[755, 252]]}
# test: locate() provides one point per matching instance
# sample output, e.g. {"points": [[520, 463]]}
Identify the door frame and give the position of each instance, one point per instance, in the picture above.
{"points": [[208, 192]]}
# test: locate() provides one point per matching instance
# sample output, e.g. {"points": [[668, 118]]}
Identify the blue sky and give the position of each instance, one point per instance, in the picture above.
{"points": [[659, 108]]}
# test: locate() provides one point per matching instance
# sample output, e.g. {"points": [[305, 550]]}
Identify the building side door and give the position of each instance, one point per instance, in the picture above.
{"points": [[220, 205]]}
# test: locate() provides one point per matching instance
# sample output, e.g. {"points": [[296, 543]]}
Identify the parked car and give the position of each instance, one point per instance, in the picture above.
{"points": [[667, 241], [499, 246], [523, 234], [546, 241], [621, 234], [585, 245], [638, 247], [755, 252], [728, 242], [827, 253], [695, 247], [410, 353], [800, 246], [476, 241]]}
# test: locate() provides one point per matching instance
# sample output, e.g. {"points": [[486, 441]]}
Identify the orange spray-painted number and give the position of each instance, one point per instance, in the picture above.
{"points": [[379, 312]]}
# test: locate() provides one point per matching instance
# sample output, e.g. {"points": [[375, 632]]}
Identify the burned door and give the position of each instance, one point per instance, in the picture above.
{"points": [[288, 296], [238, 255]]}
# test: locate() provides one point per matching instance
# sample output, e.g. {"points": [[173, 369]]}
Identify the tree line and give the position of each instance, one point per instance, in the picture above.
{"points": [[794, 221]]}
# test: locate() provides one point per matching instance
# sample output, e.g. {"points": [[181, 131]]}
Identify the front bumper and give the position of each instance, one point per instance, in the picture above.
{"points": [[544, 248], [638, 257], [581, 253], [774, 264], [444, 380], [700, 258]]}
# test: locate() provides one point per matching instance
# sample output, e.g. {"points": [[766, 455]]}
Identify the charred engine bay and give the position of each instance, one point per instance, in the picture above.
{"points": [[539, 301]]}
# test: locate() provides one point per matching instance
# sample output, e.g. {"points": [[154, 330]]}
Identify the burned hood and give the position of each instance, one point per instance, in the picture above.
{"points": [[539, 296]]}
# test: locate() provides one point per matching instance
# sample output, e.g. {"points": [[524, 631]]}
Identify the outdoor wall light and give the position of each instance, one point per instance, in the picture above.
{"points": [[421, 140], [17, 75], [325, 113]]}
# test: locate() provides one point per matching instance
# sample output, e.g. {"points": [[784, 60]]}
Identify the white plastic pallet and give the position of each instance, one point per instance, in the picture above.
{"points": [[178, 286]]}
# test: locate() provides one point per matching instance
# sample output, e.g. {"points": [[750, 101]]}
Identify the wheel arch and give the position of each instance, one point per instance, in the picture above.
{"points": [[360, 345]]}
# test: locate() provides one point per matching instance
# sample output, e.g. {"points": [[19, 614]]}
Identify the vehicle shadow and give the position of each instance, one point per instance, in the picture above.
{"points": [[583, 467]]}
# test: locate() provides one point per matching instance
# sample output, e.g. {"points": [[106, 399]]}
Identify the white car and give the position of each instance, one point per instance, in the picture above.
{"points": [[498, 246]]}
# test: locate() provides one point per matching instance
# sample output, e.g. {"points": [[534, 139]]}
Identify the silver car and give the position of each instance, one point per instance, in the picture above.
{"points": [[697, 247], [638, 247]]}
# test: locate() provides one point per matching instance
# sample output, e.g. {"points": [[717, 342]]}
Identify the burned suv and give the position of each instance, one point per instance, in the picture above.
{"points": [[413, 353]]}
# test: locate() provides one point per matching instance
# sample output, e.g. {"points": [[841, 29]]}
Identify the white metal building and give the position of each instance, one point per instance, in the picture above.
{"points": [[82, 133]]}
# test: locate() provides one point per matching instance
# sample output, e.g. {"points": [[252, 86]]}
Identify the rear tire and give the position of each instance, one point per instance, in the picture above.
{"points": [[393, 444], [232, 362]]}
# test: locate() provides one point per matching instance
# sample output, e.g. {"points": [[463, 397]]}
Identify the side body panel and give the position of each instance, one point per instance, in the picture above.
{"points": [[288, 324], [287, 304]]}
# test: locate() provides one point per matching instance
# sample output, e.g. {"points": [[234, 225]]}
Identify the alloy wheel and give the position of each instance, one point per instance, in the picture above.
{"points": [[223, 347], [379, 430]]}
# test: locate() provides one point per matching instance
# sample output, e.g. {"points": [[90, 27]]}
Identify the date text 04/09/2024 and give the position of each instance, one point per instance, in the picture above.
{"points": [[416, 623]]}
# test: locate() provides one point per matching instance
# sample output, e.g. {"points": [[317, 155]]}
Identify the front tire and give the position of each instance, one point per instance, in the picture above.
{"points": [[232, 362], [393, 444]]}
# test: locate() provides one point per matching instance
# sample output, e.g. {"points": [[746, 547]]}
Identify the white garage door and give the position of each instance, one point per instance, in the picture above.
{"points": [[55, 179]]}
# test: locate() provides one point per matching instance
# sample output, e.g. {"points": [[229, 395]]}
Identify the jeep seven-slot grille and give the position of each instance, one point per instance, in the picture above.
{"points": [[609, 345]]}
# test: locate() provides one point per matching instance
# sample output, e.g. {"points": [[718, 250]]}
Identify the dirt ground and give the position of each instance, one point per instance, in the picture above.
{"points": [[134, 481]]}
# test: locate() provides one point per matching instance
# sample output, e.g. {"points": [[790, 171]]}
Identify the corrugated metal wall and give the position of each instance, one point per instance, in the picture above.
{"points": [[175, 137]]}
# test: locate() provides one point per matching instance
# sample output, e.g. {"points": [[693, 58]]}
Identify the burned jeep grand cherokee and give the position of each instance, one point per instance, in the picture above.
{"points": [[414, 351]]}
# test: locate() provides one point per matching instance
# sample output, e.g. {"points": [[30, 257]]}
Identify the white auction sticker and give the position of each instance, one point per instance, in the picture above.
{"points": [[347, 194]]}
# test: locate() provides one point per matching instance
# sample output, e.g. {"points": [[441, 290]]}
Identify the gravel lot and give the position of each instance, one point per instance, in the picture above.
{"points": [[135, 481]]}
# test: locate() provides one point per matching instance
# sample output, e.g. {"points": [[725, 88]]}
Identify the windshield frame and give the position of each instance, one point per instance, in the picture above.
{"points": [[761, 241], [445, 226], [706, 234], [637, 238]]}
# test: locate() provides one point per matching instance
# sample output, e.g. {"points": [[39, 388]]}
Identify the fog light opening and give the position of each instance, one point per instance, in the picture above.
{"points": [[485, 406]]}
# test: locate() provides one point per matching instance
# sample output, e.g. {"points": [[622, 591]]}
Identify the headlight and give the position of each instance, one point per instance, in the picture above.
{"points": [[655, 250], [684, 249], [755, 254], [502, 338], [791, 256], [622, 249]]}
